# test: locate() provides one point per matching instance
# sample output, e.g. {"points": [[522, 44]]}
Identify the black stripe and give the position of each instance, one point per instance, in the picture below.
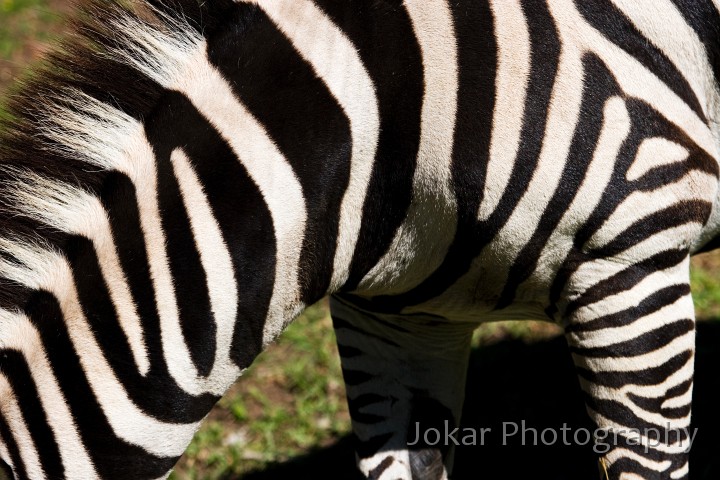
{"points": [[238, 207], [11, 444], [662, 175], [650, 304], [619, 413], [645, 123], [617, 28], [641, 344], [377, 472], [189, 279], [598, 86], [109, 454], [627, 278], [362, 402], [155, 393], [704, 18], [15, 368], [655, 404], [356, 377], [647, 376], [347, 351], [626, 465], [303, 119], [11, 293], [673, 216], [382, 32], [472, 140], [4, 467], [711, 245]]}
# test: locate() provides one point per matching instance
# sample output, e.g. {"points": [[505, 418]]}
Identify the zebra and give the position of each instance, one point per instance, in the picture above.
{"points": [[182, 178]]}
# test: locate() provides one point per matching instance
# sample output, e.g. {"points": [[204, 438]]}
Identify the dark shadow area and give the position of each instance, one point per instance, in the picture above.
{"points": [[511, 382]]}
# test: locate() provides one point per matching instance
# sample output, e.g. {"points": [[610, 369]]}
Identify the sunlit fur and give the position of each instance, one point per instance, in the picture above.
{"points": [[182, 178]]}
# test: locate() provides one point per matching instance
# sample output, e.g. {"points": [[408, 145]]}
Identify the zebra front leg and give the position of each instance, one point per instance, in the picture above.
{"points": [[405, 379], [632, 337]]}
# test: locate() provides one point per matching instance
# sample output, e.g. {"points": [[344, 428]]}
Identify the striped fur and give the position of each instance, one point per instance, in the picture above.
{"points": [[182, 178]]}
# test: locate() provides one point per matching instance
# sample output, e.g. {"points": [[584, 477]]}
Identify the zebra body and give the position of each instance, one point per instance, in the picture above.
{"points": [[185, 181]]}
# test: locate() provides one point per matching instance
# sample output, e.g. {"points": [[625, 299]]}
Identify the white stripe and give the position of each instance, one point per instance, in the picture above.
{"points": [[159, 48], [212, 96], [609, 336], [217, 264], [639, 362], [641, 203], [10, 410], [511, 82], [620, 453], [19, 334], [75, 211], [591, 273], [681, 472], [616, 126], [683, 374], [96, 133], [634, 77], [45, 270], [632, 297], [430, 223], [562, 119], [336, 61], [678, 377], [655, 152], [679, 447]]}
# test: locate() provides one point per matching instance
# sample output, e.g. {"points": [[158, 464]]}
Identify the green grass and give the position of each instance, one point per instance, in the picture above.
{"points": [[706, 292], [25, 27], [290, 400], [23, 21]]}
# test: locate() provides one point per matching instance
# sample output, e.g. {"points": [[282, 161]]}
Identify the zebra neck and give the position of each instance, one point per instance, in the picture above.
{"points": [[147, 255]]}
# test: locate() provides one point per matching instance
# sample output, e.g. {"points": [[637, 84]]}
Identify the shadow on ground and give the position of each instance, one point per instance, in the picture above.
{"points": [[511, 382]]}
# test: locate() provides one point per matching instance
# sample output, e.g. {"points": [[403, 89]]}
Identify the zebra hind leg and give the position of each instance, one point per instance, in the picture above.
{"points": [[632, 337], [405, 379]]}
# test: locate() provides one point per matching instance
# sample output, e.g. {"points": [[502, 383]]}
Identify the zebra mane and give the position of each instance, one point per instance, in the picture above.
{"points": [[72, 120]]}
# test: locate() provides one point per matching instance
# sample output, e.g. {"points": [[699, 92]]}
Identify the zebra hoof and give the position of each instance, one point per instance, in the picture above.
{"points": [[427, 464]]}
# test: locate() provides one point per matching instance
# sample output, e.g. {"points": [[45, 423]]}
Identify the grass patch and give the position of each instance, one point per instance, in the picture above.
{"points": [[23, 22], [290, 400], [26, 27], [705, 282]]}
